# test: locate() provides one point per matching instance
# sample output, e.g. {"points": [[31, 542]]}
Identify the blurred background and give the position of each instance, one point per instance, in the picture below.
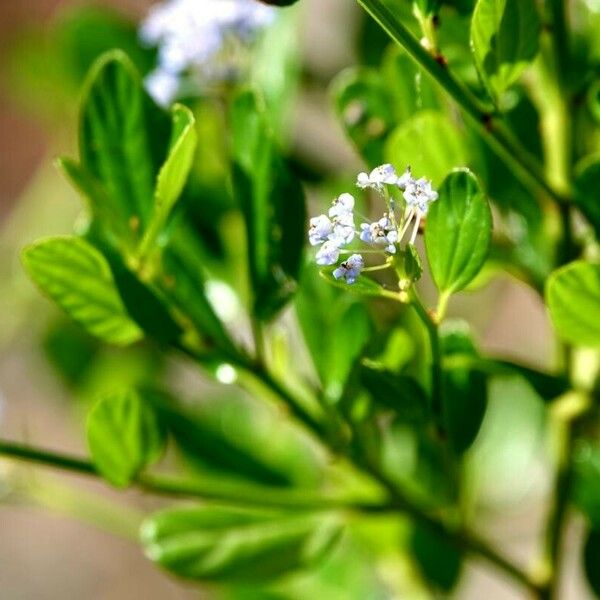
{"points": [[45, 553]]}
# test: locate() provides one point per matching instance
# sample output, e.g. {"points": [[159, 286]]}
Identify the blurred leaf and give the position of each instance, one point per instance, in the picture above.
{"points": [[465, 390], [427, 7], [439, 561], [504, 39], [587, 191], [183, 284], [364, 108], [123, 140], [78, 278], [70, 350], [399, 393], [409, 87], [573, 299], [320, 307], [229, 544], [174, 172], [124, 436], [272, 201], [591, 560], [458, 232], [440, 148], [586, 486], [223, 436]]}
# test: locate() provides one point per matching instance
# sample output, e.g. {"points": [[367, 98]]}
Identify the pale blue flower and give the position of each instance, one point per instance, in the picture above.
{"points": [[350, 269], [320, 230], [377, 178], [328, 254], [419, 193], [342, 206], [380, 233]]}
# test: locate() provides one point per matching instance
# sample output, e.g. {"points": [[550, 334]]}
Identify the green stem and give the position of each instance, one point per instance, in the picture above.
{"points": [[436, 356], [161, 484], [523, 165]]}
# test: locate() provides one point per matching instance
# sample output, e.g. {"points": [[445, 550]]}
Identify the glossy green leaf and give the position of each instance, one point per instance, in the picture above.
{"points": [[399, 393], [123, 139], [123, 436], [272, 201], [591, 560], [364, 108], [440, 146], [458, 232], [174, 172], [505, 39], [78, 278], [573, 299], [587, 191], [227, 544], [439, 561]]}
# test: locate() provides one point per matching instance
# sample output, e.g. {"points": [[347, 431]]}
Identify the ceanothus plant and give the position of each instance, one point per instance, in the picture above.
{"points": [[343, 458]]}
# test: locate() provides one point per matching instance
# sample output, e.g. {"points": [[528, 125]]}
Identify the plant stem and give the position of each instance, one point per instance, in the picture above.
{"points": [[436, 357], [523, 165], [161, 484]]}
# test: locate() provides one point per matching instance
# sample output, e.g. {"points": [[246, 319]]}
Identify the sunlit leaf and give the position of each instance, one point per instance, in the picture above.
{"points": [[573, 299], [458, 232], [504, 39], [78, 278], [440, 146]]}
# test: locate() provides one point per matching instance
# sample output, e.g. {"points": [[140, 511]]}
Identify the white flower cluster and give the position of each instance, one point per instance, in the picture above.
{"points": [[334, 231], [194, 39]]}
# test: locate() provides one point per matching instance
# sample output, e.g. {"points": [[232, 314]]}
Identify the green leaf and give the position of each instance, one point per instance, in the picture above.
{"points": [[123, 140], [123, 436], [587, 191], [272, 202], [440, 562], [78, 278], [400, 393], [363, 286], [174, 172], [505, 39], [573, 299], [364, 108], [458, 232], [349, 326], [440, 149], [591, 560], [228, 544]]}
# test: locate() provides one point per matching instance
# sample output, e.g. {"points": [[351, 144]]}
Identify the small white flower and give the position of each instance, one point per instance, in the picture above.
{"points": [[420, 194], [380, 233], [342, 206], [380, 176], [320, 230], [350, 269], [343, 229], [328, 254]]}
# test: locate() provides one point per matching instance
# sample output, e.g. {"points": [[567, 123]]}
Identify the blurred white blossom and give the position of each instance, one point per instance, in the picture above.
{"points": [[199, 42]]}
